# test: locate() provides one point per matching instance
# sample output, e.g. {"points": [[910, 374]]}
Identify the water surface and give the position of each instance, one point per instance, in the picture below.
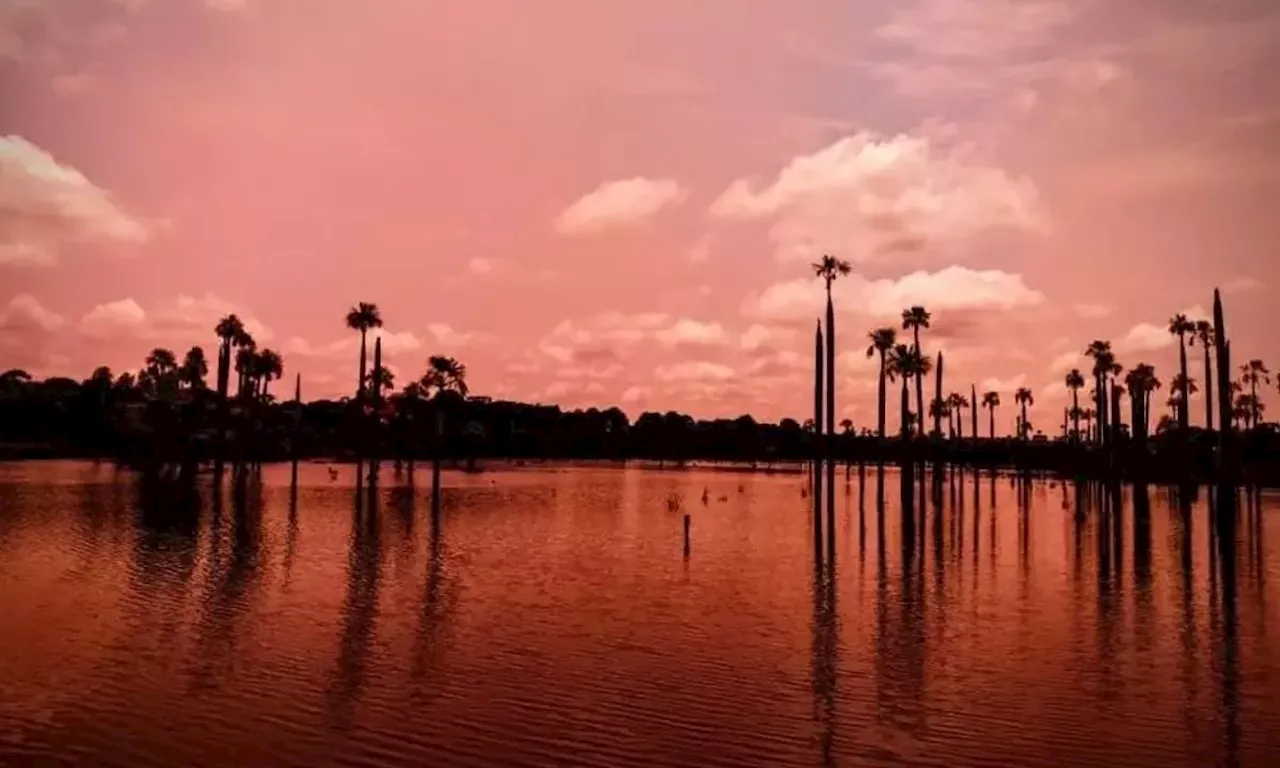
{"points": [[548, 617]]}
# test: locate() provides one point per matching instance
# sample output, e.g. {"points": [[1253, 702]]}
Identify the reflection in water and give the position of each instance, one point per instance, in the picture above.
{"points": [[360, 607], [543, 618]]}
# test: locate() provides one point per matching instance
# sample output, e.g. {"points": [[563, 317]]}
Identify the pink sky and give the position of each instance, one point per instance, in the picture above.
{"points": [[597, 203]]}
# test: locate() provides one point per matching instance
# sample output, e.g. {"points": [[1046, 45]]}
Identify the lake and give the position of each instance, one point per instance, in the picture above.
{"points": [[549, 617]]}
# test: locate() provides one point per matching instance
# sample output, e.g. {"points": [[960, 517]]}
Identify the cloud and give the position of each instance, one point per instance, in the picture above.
{"points": [[975, 29], [1092, 311], [46, 207], [864, 197], [1144, 337], [952, 288], [1006, 387], [758, 336], [695, 371], [617, 203], [480, 266], [1241, 285], [636, 394], [181, 319], [701, 251], [1066, 361], [24, 314], [605, 337], [691, 332]]}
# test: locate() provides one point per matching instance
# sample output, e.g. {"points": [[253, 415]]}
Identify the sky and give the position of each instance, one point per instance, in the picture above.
{"points": [[616, 202]]}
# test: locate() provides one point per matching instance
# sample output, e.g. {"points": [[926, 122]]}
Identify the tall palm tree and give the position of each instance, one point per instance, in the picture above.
{"points": [[991, 401], [1141, 381], [269, 366], [194, 368], [1103, 361], [1075, 382], [231, 332], [363, 317], [828, 269], [956, 404], [1024, 398], [1180, 326], [247, 370], [882, 341], [1204, 333], [913, 320], [1252, 374]]}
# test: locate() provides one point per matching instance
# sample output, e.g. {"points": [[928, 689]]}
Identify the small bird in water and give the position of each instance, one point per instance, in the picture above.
{"points": [[333, 474], [704, 495]]}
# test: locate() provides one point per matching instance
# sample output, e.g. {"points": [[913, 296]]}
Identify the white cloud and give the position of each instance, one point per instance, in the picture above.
{"points": [[761, 336], [480, 266], [616, 203], [25, 314], [864, 197], [46, 207], [636, 394], [695, 371], [182, 319], [1144, 337], [1006, 387], [983, 29], [691, 332], [1242, 284], [952, 288], [1066, 361]]}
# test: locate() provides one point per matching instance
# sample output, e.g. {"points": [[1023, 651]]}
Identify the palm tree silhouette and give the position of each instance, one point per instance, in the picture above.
{"points": [[828, 269], [1141, 382], [1075, 382], [938, 409], [444, 374], [905, 363], [882, 341], [194, 368], [956, 403], [1103, 364], [268, 367], [1024, 398], [913, 320], [991, 401], [363, 317], [1252, 374], [231, 332], [1204, 333], [1180, 326], [161, 372]]}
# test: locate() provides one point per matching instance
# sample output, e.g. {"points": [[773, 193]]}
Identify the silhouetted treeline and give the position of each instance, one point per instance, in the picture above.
{"points": [[130, 420]]}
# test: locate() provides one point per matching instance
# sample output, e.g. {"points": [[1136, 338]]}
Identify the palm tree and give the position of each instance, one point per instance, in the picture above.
{"points": [[1253, 373], [1204, 332], [363, 317], [1141, 382], [194, 369], [1024, 398], [846, 426], [1180, 326], [1075, 382], [386, 381], [905, 363], [161, 372], [444, 374], [913, 320], [956, 403], [269, 366], [231, 332], [882, 341], [1103, 363], [1179, 385], [991, 401], [828, 269], [247, 368], [940, 409], [1088, 414]]}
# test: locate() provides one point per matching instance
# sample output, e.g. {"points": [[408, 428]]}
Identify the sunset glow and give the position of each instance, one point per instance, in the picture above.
{"points": [[616, 203]]}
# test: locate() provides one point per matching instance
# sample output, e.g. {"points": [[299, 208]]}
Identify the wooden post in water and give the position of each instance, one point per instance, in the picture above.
{"points": [[686, 534], [818, 355]]}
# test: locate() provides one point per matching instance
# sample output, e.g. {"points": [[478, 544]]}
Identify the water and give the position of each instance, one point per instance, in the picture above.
{"points": [[550, 619]]}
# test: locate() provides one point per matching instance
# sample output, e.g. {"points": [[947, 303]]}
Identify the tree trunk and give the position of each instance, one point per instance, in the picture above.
{"points": [[363, 363], [883, 395], [1208, 391], [919, 386], [1075, 413], [991, 410], [1184, 408]]}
